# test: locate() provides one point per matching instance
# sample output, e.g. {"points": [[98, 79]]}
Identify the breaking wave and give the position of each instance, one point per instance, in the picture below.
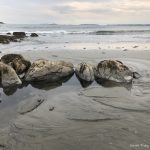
{"points": [[97, 32]]}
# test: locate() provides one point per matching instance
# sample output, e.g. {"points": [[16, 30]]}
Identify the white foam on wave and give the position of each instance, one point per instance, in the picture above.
{"points": [[50, 32]]}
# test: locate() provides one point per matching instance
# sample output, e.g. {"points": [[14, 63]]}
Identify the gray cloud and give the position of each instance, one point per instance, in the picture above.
{"points": [[64, 9], [78, 11]]}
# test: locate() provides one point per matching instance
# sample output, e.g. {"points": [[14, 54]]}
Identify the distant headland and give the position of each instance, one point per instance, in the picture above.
{"points": [[2, 23]]}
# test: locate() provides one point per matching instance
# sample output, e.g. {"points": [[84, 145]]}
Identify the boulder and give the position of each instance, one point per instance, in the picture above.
{"points": [[8, 76], [19, 34], [17, 62], [45, 70], [6, 39], [113, 70], [85, 72], [16, 37], [34, 35]]}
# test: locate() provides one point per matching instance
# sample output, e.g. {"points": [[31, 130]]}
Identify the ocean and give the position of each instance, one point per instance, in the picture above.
{"points": [[84, 36]]}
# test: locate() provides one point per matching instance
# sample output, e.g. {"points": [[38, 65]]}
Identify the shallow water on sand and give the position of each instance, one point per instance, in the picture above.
{"points": [[77, 37], [102, 116]]}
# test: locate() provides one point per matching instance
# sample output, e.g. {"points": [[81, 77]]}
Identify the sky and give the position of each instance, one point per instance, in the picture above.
{"points": [[75, 11]]}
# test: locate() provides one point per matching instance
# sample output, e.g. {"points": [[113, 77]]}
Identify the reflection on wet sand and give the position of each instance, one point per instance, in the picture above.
{"points": [[105, 115], [83, 83], [110, 84], [44, 85]]}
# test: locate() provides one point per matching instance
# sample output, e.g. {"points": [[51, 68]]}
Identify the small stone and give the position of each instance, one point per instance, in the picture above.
{"points": [[51, 108], [8, 33], [54, 56], [135, 46], [34, 35]]}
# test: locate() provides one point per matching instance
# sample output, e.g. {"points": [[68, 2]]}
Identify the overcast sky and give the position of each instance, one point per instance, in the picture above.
{"points": [[75, 11]]}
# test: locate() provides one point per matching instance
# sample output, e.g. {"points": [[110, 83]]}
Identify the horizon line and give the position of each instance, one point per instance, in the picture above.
{"points": [[3, 23]]}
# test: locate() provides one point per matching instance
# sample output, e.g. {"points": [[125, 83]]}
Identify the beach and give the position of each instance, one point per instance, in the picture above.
{"points": [[109, 116]]}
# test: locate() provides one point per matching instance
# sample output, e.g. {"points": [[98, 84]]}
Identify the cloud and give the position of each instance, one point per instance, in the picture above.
{"points": [[75, 11], [64, 9]]}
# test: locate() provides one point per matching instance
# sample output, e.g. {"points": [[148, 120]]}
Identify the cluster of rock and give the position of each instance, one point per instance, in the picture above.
{"points": [[106, 70], [14, 37], [15, 70]]}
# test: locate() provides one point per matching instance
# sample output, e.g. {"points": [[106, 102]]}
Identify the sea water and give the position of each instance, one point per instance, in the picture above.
{"points": [[84, 36]]}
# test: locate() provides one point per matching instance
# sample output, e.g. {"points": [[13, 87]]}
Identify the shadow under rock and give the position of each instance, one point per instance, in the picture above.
{"points": [[43, 85], [84, 83], [12, 89], [109, 83]]}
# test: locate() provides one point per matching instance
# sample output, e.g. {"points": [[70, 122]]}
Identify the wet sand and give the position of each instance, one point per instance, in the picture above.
{"points": [[106, 116]]}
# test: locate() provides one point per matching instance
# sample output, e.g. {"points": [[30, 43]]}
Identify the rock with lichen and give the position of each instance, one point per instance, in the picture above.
{"points": [[85, 72], [17, 62], [45, 70], [8, 76], [113, 70]]}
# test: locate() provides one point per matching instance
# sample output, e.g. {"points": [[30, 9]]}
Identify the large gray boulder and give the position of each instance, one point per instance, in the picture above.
{"points": [[113, 70], [45, 70], [85, 72], [8, 76], [17, 62]]}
